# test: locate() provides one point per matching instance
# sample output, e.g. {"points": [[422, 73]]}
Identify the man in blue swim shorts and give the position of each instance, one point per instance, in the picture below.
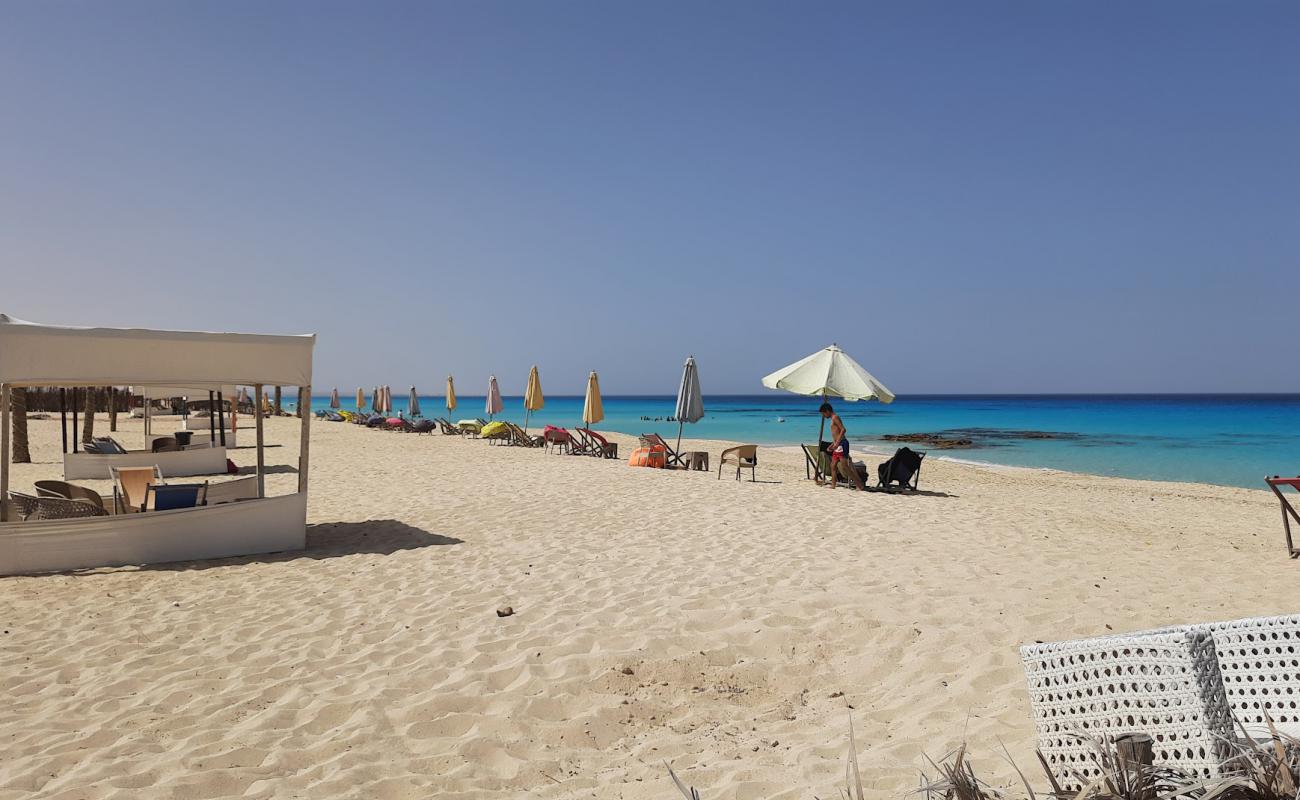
{"points": [[839, 449]]}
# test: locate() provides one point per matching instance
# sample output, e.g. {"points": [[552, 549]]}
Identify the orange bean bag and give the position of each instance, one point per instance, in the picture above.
{"points": [[655, 457]]}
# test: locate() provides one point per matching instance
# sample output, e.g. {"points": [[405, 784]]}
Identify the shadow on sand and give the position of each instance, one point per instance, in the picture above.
{"points": [[379, 537]]}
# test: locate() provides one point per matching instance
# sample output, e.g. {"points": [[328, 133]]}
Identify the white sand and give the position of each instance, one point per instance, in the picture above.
{"points": [[660, 617]]}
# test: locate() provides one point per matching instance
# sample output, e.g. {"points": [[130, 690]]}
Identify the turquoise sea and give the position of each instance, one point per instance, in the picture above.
{"points": [[1232, 440]]}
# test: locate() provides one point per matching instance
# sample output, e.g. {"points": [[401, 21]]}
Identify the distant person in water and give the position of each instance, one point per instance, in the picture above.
{"points": [[839, 448]]}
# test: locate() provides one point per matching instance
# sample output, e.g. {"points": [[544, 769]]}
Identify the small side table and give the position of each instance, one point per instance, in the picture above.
{"points": [[697, 460]]}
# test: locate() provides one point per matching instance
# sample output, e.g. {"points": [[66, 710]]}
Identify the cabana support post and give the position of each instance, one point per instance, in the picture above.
{"points": [[63, 416], [304, 409], [221, 418], [4, 448], [261, 455]]}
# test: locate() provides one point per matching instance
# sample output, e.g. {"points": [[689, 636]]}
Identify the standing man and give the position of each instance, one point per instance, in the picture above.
{"points": [[840, 448]]}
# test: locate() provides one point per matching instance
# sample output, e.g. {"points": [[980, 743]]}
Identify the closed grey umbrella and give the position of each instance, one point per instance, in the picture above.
{"points": [[413, 404], [334, 398], [375, 400], [690, 402]]}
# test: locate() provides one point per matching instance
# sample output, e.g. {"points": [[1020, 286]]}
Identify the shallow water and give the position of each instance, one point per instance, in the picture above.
{"points": [[1231, 440]]}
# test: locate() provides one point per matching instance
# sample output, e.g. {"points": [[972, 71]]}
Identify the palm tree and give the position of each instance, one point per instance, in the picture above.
{"points": [[278, 411], [92, 401], [18, 406], [112, 409]]}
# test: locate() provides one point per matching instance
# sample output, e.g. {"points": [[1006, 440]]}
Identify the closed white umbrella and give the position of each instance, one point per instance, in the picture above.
{"points": [[690, 402], [361, 399], [493, 404], [413, 403], [334, 398], [388, 399], [829, 372]]}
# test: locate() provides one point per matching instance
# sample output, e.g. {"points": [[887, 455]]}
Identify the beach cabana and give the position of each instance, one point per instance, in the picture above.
{"points": [[33, 354]]}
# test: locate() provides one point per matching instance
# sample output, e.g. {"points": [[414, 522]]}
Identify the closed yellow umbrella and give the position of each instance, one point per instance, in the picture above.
{"points": [[451, 394], [592, 410], [533, 399]]}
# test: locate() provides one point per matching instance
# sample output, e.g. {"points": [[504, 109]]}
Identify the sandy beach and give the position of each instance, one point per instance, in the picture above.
{"points": [[728, 629]]}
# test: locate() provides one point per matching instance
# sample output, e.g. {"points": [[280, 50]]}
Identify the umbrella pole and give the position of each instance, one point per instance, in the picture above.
{"points": [[528, 413], [679, 435], [821, 431]]}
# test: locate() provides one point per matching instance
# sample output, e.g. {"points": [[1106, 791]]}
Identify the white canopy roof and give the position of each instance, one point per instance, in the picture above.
{"points": [[51, 355]]}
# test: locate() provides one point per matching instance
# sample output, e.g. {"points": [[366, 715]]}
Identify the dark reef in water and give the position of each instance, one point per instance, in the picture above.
{"points": [[964, 438]]}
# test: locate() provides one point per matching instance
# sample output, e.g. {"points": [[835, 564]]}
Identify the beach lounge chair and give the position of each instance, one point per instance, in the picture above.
{"points": [[817, 463], [655, 440], [598, 445], [525, 439], [169, 497], [447, 427], [1288, 511], [580, 444], [744, 457], [423, 426], [496, 432], [131, 484], [68, 491], [903, 469]]}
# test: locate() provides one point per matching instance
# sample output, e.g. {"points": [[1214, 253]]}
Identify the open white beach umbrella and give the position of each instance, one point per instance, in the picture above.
{"points": [[413, 404], [361, 399], [593, 410], [493, 404], [334, 398], [690, 402], [829, 372], [451, 395], [533, 400]]}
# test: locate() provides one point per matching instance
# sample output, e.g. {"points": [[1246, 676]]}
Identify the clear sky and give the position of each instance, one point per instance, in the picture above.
{"points": [[967, 196]]}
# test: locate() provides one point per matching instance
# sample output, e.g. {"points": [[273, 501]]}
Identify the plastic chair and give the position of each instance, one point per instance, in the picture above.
{"points": [[744, 457]]}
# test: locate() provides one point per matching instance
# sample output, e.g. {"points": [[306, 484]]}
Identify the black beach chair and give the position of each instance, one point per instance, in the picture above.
{"points": [[902, 472]]}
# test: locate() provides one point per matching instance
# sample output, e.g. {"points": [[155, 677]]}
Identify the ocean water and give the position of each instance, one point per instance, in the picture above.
{"points": [[1231, 440]]}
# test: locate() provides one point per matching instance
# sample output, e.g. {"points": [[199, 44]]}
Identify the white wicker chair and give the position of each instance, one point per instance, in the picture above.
{"points": [[1163, 683], [1259, 659]]}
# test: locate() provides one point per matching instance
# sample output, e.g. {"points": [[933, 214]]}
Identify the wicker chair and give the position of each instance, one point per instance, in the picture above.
{"points": [[23, 504], [70, 491], [38, 508], [1163, 683], [1259, 660]]}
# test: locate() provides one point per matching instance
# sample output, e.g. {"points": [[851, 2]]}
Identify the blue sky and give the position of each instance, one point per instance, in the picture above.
{"points": [[968, 197]]}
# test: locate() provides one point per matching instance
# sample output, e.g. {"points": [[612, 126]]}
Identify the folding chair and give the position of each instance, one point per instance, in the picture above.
{"points": [[1288, 512]]}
